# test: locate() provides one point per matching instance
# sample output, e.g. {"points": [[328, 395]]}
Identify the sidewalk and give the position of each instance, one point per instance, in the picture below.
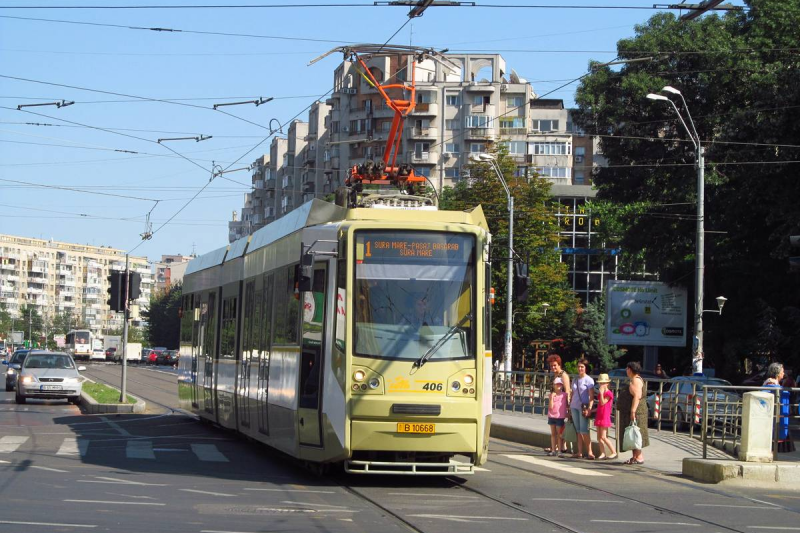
{"points": [[665, 453]]}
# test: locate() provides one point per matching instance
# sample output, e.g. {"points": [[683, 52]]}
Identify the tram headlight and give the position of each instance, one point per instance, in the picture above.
{"points": [[455, 386], [374, 383], [468, 379], [359, 375], [355, 386]]}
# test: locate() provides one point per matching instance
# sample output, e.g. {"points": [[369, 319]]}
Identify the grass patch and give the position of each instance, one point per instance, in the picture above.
{"points": [[103, 393]]}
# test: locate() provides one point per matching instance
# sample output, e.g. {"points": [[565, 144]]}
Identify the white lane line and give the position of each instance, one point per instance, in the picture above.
{"points": [[209, 492], [208, 452], [43, 524], [115, 503], [465, 518], [117, 427], [315, 504], [49, 469], [117, 481], [220, 531], [558, 466], [139, 449], [775, 528], [9, 462], [480, 469], [438, 495], [574, 500], [168, 450], [734, 506], [685, 524], [73, 446], [297, 490], [10, 444]]}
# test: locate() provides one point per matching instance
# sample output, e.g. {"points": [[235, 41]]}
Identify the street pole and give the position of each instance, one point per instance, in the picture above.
{"points": [[510, 281], [697, 360], [123, 397]]}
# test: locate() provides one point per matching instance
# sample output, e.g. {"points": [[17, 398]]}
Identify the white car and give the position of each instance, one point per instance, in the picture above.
{"points": [[98, 355], [49, 375]]}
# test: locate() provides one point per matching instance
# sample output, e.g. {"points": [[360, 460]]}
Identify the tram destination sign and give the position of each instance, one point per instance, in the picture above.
{"points": [[409, 246]]}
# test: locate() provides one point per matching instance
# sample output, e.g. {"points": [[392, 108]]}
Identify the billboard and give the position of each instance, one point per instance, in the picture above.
{"points": [[645, 313], [60, 340], [17, 337]]}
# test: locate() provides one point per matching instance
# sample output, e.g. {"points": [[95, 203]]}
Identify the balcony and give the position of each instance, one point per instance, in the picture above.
{"points": [[424, 158], [483, 134], [424, 133], [475, 87], [8, 266], [513, 131], [11, 277], [258, 184], [426, 109], [310, 157]]}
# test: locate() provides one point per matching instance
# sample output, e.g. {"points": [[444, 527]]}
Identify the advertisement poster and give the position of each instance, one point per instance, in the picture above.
{"points": [[645, 313]]}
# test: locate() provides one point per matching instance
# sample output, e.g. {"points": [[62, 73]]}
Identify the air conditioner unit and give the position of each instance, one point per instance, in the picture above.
{"points": [[345, 128], [579, 159], [351, 90], [446, 155], [503, 88]]}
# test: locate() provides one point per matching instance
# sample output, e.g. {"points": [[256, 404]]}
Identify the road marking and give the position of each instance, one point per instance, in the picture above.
{"points": [[436, 495], [115, 503], [208, 492], [49, 469], [557, 466], [315, 504], [649, 523], [218, 531], [139, 449], [117, 481], [775, 528], [297, 490], [116, 426], [208, 452], [9, 462], [73, 446], [734, 506], [10, 444], [480, 469], [462, 518], [574, 500], [43, 524]]}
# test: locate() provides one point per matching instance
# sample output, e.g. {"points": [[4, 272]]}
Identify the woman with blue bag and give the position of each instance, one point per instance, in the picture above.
{"points": [[633, 414]]}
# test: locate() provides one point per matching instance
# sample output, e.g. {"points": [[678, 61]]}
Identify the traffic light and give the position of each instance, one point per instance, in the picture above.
{"points": [[116, 299], [135, 288], [522, 283], [794, 262]]}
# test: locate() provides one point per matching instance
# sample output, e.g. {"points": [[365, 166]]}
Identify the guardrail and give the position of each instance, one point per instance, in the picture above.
{"points": [[723, 427], [675, 405]]}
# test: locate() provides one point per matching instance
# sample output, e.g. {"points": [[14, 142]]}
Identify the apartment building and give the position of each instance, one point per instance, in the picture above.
{"points": [[60, 277], [170, 270]]}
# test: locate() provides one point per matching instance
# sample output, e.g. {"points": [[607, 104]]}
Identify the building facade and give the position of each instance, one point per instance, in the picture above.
{"points": [[59, 278], [170, 270]]}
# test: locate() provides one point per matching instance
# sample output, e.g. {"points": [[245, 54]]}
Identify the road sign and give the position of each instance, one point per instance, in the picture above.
{"points": [[645, 313]]}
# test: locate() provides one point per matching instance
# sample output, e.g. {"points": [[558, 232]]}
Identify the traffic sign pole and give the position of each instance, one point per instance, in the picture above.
{"points": [[123, 397]]}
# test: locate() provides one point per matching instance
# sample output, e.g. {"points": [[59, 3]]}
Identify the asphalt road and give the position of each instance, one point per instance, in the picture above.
{"points": [[165, 471]]}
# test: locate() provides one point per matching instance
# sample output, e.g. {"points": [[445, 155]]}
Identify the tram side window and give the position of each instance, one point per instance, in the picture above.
{"points": [[211, 326], [196, 317], [341, 297], [263, 301], [186, 320], [228, 334], [287, 307], [247, 334], [487, 319]]}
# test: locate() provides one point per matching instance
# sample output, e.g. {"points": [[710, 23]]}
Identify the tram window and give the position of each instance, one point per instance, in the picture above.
{"points": [[247, 334], [487, 319], [211, 328], [186, 321], [281, 305], [341, 296], [293, 308], [265, 315], [228, 337]]}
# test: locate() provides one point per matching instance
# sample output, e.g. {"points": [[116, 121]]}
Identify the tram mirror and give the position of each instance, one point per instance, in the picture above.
{"points": [[306, 271]]}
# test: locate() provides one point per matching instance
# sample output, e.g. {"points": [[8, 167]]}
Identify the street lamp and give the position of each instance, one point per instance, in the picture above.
{"points": [[545, 306], [697, 359], [487, 158]]}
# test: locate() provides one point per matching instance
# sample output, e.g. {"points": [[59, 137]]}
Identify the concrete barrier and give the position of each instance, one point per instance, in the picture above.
{"points": [[785, 475], [92, 407]]}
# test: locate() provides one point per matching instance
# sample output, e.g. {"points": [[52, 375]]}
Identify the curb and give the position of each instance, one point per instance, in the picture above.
{"points": [[718, 471], [93, 408], [530, 437]]}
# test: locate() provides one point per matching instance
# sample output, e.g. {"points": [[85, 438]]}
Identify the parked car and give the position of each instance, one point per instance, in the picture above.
{"points": [[620, 374], [14, 364], [49, 375], [97, 355], [755, 380], [171, 357], [145, 354], [111, 354], [152, 357], [678, 400]]}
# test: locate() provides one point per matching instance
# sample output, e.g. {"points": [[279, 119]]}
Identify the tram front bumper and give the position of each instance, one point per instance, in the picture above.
{"points": [[449, 437]]}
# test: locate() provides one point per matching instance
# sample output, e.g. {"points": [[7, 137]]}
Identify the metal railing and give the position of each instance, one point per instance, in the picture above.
{"points": [[721, 416]]}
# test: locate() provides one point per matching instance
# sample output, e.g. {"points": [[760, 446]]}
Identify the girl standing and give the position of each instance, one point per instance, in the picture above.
{"points": [[556, 413], [580, 403], [602, 420]]}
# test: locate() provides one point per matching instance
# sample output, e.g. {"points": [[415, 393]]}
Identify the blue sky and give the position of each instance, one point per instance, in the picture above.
{"points": [[547, 46]]}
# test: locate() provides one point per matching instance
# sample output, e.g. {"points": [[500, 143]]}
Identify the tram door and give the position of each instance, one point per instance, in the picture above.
{"points": [[264, 306], [247, 354], [209, 351], [311, 360], [196, 343]]}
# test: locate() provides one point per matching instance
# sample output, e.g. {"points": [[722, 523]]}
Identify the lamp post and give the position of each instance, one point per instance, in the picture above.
{"points": [[509, 291], [697, 345]]}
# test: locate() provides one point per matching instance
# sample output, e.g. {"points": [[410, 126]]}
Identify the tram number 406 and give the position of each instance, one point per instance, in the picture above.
{"points": [[436, 387]]}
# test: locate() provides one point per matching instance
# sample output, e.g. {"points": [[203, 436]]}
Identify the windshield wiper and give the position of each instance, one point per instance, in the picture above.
{"points": [[432, 350]]}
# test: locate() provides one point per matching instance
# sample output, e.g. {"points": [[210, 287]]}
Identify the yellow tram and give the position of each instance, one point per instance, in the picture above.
{"points": [[358, 336]]}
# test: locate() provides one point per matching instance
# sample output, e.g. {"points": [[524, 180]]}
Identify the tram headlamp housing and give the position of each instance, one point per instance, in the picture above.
{"points": [[468, 379], [374, 383], [456, 386], [462, 383], [359, 375]]}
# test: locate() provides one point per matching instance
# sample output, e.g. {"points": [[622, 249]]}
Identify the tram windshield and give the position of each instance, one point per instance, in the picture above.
{"points": [[414, 291]]}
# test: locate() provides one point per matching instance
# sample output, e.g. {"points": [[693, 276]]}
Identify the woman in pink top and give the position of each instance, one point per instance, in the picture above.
{"points": [[556, 413], [602, 420]]}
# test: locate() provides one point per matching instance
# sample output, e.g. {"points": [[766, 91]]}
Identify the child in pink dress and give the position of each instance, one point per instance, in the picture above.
{"points": [[602, 419], [556, 413]]}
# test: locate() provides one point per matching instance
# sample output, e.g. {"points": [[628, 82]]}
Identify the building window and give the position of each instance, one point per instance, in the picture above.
{"points": [[426, 97], [421, 150], [580, 150], [478, 121], [452, 173], [550, 148], [453, 99], [452, 148], [579, 179], [477, 148], [544, 125], [451, 124], [516, 147], [554, 172], [423, 171], [512, 122], [515, 101]]}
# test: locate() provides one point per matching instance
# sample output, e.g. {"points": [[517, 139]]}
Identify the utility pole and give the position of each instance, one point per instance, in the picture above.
{"points": [[697, 359], [123, 397]]}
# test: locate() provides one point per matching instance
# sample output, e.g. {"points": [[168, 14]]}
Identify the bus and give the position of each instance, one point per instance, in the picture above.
{"points": [[78, 344], [350, 336]]}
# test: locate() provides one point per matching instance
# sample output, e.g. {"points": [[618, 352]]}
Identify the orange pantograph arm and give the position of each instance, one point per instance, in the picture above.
{"points": [[401, 109]]}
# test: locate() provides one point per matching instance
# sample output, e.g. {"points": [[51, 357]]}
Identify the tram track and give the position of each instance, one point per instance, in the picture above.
{"points": [[171, 410]]}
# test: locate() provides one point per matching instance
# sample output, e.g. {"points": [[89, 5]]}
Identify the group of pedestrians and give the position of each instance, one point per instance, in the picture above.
{"points": [[575, 403]]}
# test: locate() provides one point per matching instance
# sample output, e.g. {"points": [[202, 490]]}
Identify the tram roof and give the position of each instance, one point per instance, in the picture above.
{"points": [[474, 216], [211, 259]]}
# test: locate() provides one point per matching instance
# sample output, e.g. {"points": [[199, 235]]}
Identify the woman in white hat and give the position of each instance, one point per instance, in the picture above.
{"points": [[602, 420]]}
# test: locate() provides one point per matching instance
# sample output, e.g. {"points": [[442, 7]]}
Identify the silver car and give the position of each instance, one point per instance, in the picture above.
{"points": [[49, 375]]}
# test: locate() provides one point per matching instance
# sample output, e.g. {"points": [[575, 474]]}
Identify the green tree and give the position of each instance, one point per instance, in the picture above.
{"points": [[162, 317], [31, 323], [739, 76], [590, 337], [535, 242]]}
